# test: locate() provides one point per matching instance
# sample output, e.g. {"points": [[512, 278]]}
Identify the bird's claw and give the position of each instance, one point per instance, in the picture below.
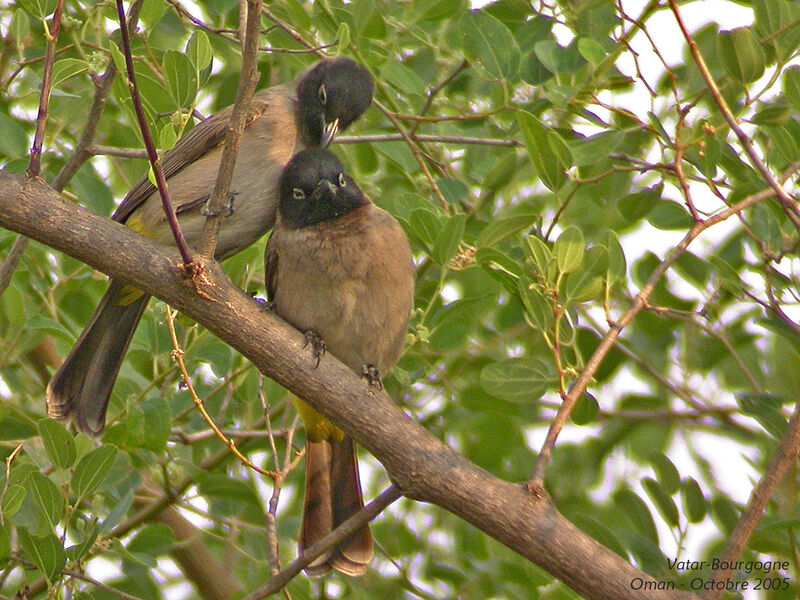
{"points": [[227, 210], [317, 345], [372, 375]]}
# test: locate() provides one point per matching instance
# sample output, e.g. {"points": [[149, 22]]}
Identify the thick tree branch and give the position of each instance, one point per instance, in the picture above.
{"points": [[419, 465]]}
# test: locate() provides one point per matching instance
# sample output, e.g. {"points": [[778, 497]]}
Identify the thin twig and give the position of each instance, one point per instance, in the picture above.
{"points": [[155, 160], [431, 95], [35, 164], [177, 356], [217, 205], [779, 466], [535, 484], [369, 512], [789, 204], [11, 262]]}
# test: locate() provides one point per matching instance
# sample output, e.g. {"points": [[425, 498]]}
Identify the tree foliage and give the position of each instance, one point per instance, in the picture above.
{"points": [[598, 220]]}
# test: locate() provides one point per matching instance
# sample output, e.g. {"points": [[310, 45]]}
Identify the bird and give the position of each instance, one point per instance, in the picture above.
{"points": [[339, 269], [309, 112]]}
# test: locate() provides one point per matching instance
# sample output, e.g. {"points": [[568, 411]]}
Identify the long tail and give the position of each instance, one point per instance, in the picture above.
{"points": [[333, 494], [81, 388]]}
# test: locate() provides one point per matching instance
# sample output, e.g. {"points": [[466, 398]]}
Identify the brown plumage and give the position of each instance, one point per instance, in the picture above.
{"points": [[340, 268], [309, 112]]}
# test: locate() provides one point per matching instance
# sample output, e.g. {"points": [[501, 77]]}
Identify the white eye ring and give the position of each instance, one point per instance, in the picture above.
{"points": [[298, 194], [342, 180], [323, 94]]}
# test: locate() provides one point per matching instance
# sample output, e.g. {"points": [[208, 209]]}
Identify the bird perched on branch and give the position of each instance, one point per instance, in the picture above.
{"points": [[307, 113], [339, 269]]}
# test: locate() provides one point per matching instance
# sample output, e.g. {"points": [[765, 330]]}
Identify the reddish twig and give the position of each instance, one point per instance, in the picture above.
{"points": [[779, 466], [789, 204], [35, 164], [369, 512], [536, 483], [152, 154]]}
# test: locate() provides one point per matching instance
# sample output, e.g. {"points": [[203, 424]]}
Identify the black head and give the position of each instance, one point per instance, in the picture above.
{"points": [[314, 188], [332, 95]]}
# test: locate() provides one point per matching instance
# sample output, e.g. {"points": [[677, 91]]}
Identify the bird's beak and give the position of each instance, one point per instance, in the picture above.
{"points": [[321, 188], [329, 131]]}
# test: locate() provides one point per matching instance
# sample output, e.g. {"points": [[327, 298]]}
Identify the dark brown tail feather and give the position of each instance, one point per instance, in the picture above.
{"points": [[333, 494], [81, 388]]}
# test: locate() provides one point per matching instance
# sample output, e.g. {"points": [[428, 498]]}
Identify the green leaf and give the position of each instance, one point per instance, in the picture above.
{"points": [[596, 148], [12, 500], [669, 215], [489, 43], [5, 546], [587, 282], [47, 325], [725, 513], [167, 136], [741, 54], [667, 474], [81, 549], [47, 497], [453, 190], [517, 379], [539, 312], [119, 60], [448, 239], [569, 249], [343, 36], [638, 205], [425, 226], [181, 78], [694, 504], [45, 552], [152, 11], [58, 442], [68, 67], [617, 267], [20, 27], [39, 8], [92, 470], [585, 411], [766, 410], [14, 141], [783, 329], [636, 511], [766, 226], [157, 424], [153, 540], [502, 229], [199, 51], [591, 50], [541, 256], [404, 79], [119, 511], [549, 154]]}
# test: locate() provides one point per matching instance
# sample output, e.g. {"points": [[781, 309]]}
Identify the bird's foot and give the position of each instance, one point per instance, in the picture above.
{"points": [[226, 211], [317, 345], [372, 375]]}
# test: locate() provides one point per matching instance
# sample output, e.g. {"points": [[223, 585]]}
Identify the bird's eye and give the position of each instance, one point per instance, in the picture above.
{"points": [[298, 194], [342, 180], [323, 94]]}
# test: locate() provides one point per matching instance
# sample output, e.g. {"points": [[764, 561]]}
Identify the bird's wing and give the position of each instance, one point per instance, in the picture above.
{"points": [[206, 136]]}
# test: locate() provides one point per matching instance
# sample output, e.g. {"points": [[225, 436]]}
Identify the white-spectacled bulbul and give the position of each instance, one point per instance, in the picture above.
{"points": [[307, 113], [339, 269]]}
